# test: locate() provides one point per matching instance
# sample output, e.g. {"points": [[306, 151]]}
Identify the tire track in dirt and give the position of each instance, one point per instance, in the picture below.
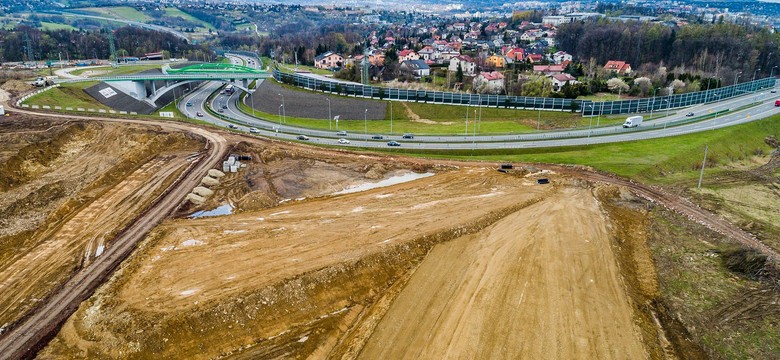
{"points": [[33, 332]]}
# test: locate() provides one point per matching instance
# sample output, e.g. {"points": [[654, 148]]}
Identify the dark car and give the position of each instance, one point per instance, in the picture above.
{"points": [[689, 114], [393, 143], [232, 126], [302, 137], [408, 136], [377, 137], [199, 114]]}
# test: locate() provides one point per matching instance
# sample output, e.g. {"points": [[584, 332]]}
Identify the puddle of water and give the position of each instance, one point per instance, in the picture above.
{"points": [[393, 180], [225, 209]]}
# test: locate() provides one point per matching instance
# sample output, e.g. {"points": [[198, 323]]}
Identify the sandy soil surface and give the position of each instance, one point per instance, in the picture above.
{"points": [[66, 189], [187, 271], [541, 283]]}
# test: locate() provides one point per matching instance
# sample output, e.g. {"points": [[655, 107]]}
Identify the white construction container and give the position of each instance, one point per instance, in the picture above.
{"points": [[2, 110]]}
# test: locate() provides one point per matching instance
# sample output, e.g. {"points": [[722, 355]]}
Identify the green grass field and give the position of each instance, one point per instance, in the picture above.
{"points": [[68, 95], [176, 12], [119, 12], [55, 26], [666, 160], [121, 70]]}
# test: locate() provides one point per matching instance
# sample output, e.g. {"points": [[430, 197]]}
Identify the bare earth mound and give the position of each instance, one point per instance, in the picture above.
{"points": [[540, 283], [66, 189]]}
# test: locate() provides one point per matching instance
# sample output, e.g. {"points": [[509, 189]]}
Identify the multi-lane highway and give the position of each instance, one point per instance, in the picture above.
{"points": [[762, 106]]}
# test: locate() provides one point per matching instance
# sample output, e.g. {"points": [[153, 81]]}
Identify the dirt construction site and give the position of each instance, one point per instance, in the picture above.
{"points": [[328, 254]]}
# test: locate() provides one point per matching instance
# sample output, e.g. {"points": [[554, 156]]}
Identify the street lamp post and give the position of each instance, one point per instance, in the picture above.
{"points": [[772, 73], [330, 118], [284, 110], [652, 107], [280, 115], [365, 122], [754, 74], [391, 117], [736, 79]]}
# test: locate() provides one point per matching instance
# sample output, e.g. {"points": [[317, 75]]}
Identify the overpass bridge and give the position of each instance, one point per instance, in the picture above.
{"points": [[150, 86]]}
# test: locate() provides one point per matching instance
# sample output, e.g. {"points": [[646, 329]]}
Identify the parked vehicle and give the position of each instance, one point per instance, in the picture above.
{"points": [[254, 131], [633, 121], [377, 137], [44, 81], [302, 137], [343, 141], [393, 143], [408, 136]]}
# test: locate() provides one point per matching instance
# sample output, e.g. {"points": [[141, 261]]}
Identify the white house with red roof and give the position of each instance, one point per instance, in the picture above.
{"points": [[562, 79], [407, 54], [467, 64], [489, 82], [620, 67]]}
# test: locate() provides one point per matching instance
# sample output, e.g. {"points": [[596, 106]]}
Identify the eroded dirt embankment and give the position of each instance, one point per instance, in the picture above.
{"points": [[66, 188]]}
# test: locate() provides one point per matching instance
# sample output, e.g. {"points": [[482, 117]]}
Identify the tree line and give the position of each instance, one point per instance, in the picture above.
{"points": [[719, 50], [51, 44]]}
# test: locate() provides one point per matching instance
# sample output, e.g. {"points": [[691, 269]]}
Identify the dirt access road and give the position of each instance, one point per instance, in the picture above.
{"points": [[541, 283], [30, 335]]}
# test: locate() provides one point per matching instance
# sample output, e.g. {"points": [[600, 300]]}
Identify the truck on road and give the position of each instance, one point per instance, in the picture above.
{"points": [[633, 121], [44, 81]]}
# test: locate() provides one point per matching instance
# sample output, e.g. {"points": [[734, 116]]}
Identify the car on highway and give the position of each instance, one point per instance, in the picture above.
{"points": [[341, 133], [689, 114], [232, 126], [777, 102], [220, 110], [408, 136], [189, 104], [343, 141], [254, 131], [224, 106], [393, 143], [773, 91], [377, 137], [199, 114], [302, 137]]}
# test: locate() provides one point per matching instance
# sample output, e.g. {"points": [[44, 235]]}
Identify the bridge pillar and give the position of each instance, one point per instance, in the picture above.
{"points": [[245, 82], [136, 89]]}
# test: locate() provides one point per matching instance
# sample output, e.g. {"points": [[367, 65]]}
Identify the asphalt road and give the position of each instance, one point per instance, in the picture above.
{"points": [[650, 129]]}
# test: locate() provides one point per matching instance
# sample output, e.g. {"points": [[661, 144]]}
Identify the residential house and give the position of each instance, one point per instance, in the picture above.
{"points": [[561, 56], [467, 64], [548, 69], [404, 55], [489, 82], [426, 53], [516, 54], [417, 67], [562, 79], [534, 58], [496, 61], [459, 26], [328, 60], [620, 67]]}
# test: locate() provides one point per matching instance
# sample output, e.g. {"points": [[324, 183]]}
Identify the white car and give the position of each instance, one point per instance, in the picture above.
{"points": [[254, 131], [343, 141]]}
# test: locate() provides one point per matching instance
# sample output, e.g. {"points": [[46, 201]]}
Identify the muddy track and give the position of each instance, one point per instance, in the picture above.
{"points": [[675, 203], [32, 333]]}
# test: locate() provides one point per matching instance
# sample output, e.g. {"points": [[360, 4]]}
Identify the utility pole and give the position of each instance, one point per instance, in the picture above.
{"points": [[701, 174]]}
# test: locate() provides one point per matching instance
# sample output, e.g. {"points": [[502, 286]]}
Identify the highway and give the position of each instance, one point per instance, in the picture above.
{"points": [[656, 128]]}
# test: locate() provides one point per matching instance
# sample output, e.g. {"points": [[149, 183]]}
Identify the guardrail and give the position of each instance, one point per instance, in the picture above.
{"points": [[586, 107]]}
